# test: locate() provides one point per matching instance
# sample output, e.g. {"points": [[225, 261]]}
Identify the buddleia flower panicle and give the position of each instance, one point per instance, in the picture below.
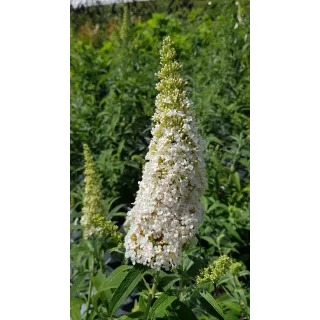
{"points": [[93, 221], [167, 210], [215, 270]]}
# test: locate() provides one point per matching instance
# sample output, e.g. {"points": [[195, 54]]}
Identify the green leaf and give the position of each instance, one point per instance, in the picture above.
{"points": [[142, 303], [243, 273], [97, 282], [75, 301], [115, 210], [232, 231], [126, 286], [75, 313], [116, 249], [235, 307], [163, 302], [187, 263], [80, 249], [216, 205], [115, 278], [78, 282], [109, 203], [133, 316], [170, 284], [236, 179], [98, 279], [92, 315], [120, 147], [214, 304], [115, 119], [172, 317], [183, 311], [119, 214], [209, 240], [214, 139], [231, 316], [111, 282], [204, 202]]}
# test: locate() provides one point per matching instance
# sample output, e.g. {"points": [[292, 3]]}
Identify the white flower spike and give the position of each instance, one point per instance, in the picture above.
{"points": [[167, 210]]}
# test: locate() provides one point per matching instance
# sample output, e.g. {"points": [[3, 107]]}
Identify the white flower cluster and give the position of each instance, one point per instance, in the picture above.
{"points": [[167, 210]]}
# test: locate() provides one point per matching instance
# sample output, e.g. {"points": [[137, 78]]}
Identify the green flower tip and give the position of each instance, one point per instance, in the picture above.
{"points": [[171, 82], [167, 52]]}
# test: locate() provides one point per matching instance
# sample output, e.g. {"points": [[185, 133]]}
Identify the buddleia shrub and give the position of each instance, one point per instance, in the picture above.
{"points": [[112, 101]]}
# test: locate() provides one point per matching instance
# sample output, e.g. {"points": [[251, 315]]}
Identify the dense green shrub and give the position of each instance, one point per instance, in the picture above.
{"points": [[112, 100]]}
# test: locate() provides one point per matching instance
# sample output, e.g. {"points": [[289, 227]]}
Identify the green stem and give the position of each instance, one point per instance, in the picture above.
{"points": [[152, 294], [101, 266], [236, 280], [146, 284], [89, 300], [180, 287], [235, 157], [91, 267], [101, 260]]}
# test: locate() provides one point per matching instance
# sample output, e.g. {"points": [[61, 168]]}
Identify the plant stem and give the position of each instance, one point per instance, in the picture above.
{"points": [[152, 294], [180, 287], [91, 267], [146, 284], [89, 300], [235, 157], [236, 280]]}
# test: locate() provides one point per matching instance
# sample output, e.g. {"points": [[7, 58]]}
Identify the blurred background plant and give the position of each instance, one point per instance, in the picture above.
{"points": [[114, 56]]}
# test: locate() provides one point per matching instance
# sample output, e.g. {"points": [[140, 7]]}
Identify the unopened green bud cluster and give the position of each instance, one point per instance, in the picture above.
{"points": [[235, 267], [215, 270], [93, 221]]}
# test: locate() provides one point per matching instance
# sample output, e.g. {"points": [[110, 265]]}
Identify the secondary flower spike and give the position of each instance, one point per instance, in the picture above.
{"points": [[167, 210], [217, 269], [93, 221]]}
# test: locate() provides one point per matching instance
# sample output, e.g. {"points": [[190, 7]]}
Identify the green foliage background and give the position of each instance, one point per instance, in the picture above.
{"points": [[112, 101]]}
